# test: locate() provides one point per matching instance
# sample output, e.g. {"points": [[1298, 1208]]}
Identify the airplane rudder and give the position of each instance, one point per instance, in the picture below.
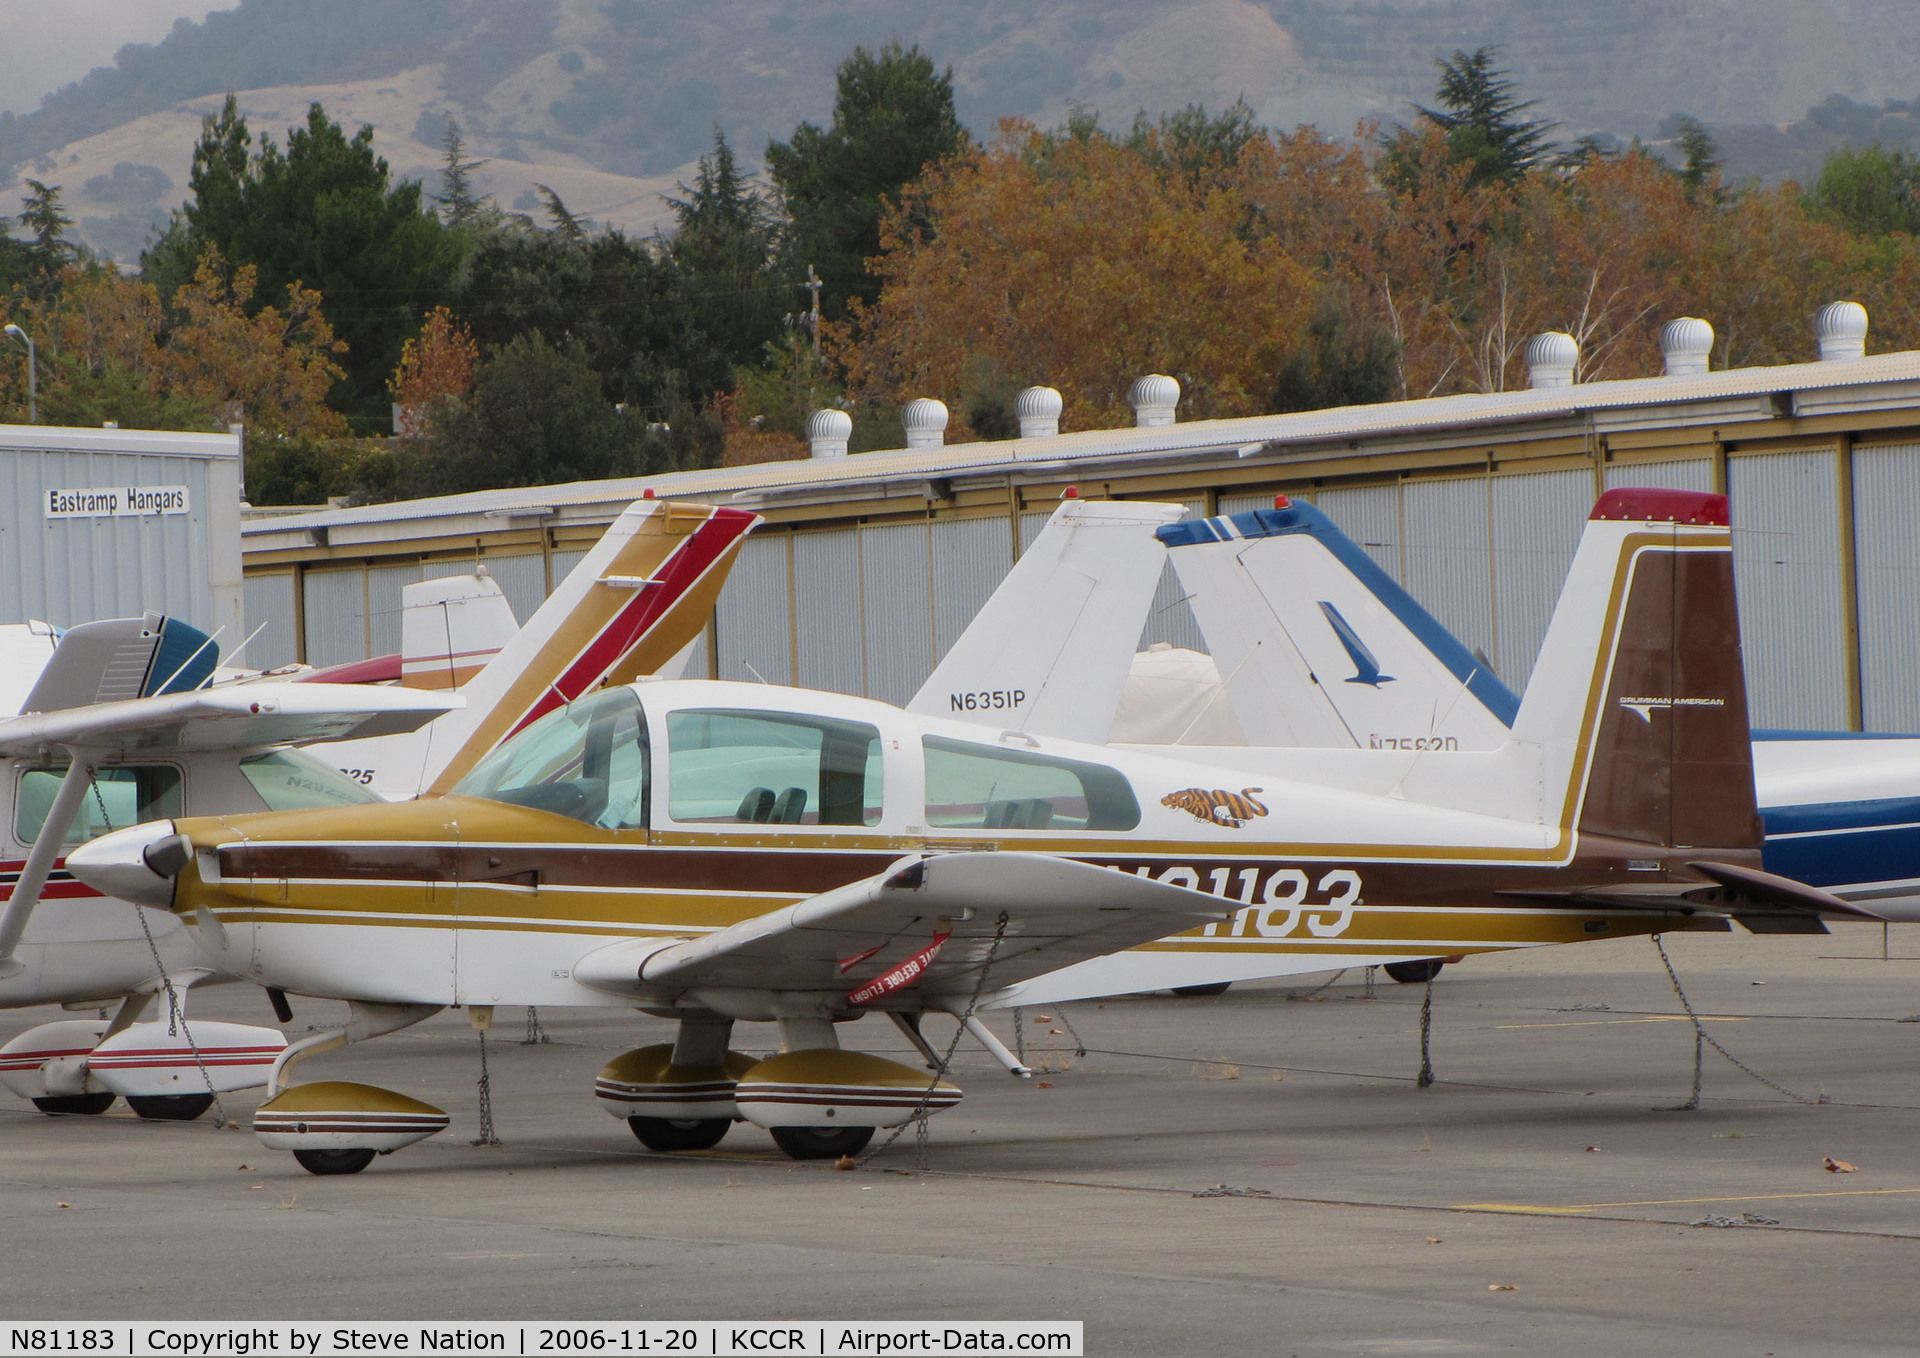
{"points": [[1670, 758]]}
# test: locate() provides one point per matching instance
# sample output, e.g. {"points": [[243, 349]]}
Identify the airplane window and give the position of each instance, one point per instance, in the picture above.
{"points": [[587, 761], [288, 780], [772, 768], [983, 787], [120, 796]]}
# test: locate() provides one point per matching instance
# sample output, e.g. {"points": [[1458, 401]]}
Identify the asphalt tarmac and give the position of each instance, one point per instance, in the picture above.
{"points": [[1257, 1173]]}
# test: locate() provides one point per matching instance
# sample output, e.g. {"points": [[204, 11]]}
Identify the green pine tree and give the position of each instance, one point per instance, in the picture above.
{"points": [[892, 117], [1481, 119]]}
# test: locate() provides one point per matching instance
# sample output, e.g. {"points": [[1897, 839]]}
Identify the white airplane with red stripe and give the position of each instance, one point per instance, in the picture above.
{"points": [[631, 606]]}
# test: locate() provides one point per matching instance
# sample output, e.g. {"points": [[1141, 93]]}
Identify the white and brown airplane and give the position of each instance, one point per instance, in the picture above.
{"points": [[116, 731], [721, 852]]}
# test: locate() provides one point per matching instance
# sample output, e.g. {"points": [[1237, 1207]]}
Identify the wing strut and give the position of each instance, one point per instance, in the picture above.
{"points": [[46, 848]]}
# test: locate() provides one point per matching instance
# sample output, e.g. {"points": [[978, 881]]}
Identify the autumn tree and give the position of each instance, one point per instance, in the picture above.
{"points": [[437, 365], [102, 357], [270, 370], [1079, 264]]}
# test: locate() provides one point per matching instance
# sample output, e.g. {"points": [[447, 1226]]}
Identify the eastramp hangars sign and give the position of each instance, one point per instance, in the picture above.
{"points": [[115, 502]]}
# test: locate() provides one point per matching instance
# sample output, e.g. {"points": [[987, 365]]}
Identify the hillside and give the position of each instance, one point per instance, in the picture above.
{"points": [[609, 101]]}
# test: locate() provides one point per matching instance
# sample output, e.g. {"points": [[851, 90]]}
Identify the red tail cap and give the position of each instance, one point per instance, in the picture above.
{"points": [[1645, 504]]}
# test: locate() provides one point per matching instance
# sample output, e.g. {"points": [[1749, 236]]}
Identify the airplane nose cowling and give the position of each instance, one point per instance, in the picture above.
{"points": [[137, 864]]}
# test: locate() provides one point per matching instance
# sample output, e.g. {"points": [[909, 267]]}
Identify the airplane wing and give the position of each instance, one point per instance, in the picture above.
{"points": [[922, 929], [236, 717]]}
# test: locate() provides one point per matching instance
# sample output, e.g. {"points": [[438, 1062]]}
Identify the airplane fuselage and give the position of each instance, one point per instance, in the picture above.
{"points": [[471, 899]]}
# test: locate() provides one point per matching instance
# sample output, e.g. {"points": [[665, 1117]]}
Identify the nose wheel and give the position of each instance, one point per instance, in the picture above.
{"points": [[680, 1134]]}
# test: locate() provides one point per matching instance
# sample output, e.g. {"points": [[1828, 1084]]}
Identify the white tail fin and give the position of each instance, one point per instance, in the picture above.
{"points": [[629, 607], [451, 628], [1048, 653], [1319, 647]]}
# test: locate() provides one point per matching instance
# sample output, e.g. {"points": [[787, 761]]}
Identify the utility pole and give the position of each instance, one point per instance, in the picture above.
{"points": [[813, 286]]}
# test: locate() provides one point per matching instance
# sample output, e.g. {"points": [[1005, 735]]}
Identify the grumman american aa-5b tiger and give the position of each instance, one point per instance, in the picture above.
{"points": [[721, 852]]}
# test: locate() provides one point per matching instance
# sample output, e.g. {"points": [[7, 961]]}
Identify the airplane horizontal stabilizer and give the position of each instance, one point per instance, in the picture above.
{"points": [[943, 912], [1762, 902]]}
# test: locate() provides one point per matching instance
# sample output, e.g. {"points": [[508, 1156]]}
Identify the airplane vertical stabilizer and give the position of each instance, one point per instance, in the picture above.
{"points": [[1320, 647], [1638, 699], [450, 629], [1048, 653], [634, 602]]}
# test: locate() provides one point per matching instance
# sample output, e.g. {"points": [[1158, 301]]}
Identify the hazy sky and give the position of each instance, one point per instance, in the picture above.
{"points": [[44, 44]]}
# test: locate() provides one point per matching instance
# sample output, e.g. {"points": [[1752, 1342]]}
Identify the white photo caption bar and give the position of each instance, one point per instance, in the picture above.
{"points": [[536, 1339]]}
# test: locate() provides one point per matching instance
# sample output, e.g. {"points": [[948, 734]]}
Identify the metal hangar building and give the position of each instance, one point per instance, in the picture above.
{"points": [[871, 565]]}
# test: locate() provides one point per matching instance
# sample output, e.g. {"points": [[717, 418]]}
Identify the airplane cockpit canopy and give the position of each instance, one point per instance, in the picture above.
{"points": [[586, 760]]}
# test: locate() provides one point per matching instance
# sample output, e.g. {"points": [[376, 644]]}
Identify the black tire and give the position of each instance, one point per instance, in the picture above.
{"points": [[334, 1162], [821, 1143], [1415, 973], [680, 1134], [85, 1104], [1194, 991], [170, 1107]]}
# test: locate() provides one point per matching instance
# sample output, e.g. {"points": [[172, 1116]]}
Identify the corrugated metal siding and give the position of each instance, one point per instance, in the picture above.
{"points": [[753, 618], [828, 638], [1537, 522], [1030, 526], [270, 609], [1370, 515], [336, 616], [70, 571], [523, 579], [563, 564], [896, 609], [970, 558], [1693, 473], [1787, 572], [384, 605], [1240, 504], [1446, 555], [1171, 619], [1886, 560]]}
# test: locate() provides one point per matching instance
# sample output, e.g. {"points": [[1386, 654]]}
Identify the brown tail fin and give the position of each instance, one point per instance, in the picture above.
{"points": [[1671, 758]]}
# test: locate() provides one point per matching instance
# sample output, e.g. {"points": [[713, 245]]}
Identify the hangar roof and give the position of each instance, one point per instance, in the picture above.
{"points": [[1721, 398]]}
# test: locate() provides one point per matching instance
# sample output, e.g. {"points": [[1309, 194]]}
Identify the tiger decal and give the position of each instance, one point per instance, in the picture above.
{"points": [[1217, 806]]}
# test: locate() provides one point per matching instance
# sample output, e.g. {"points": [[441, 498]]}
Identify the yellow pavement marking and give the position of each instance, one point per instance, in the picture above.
{"points": [[1656, 1018], [1678, 1202]]}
